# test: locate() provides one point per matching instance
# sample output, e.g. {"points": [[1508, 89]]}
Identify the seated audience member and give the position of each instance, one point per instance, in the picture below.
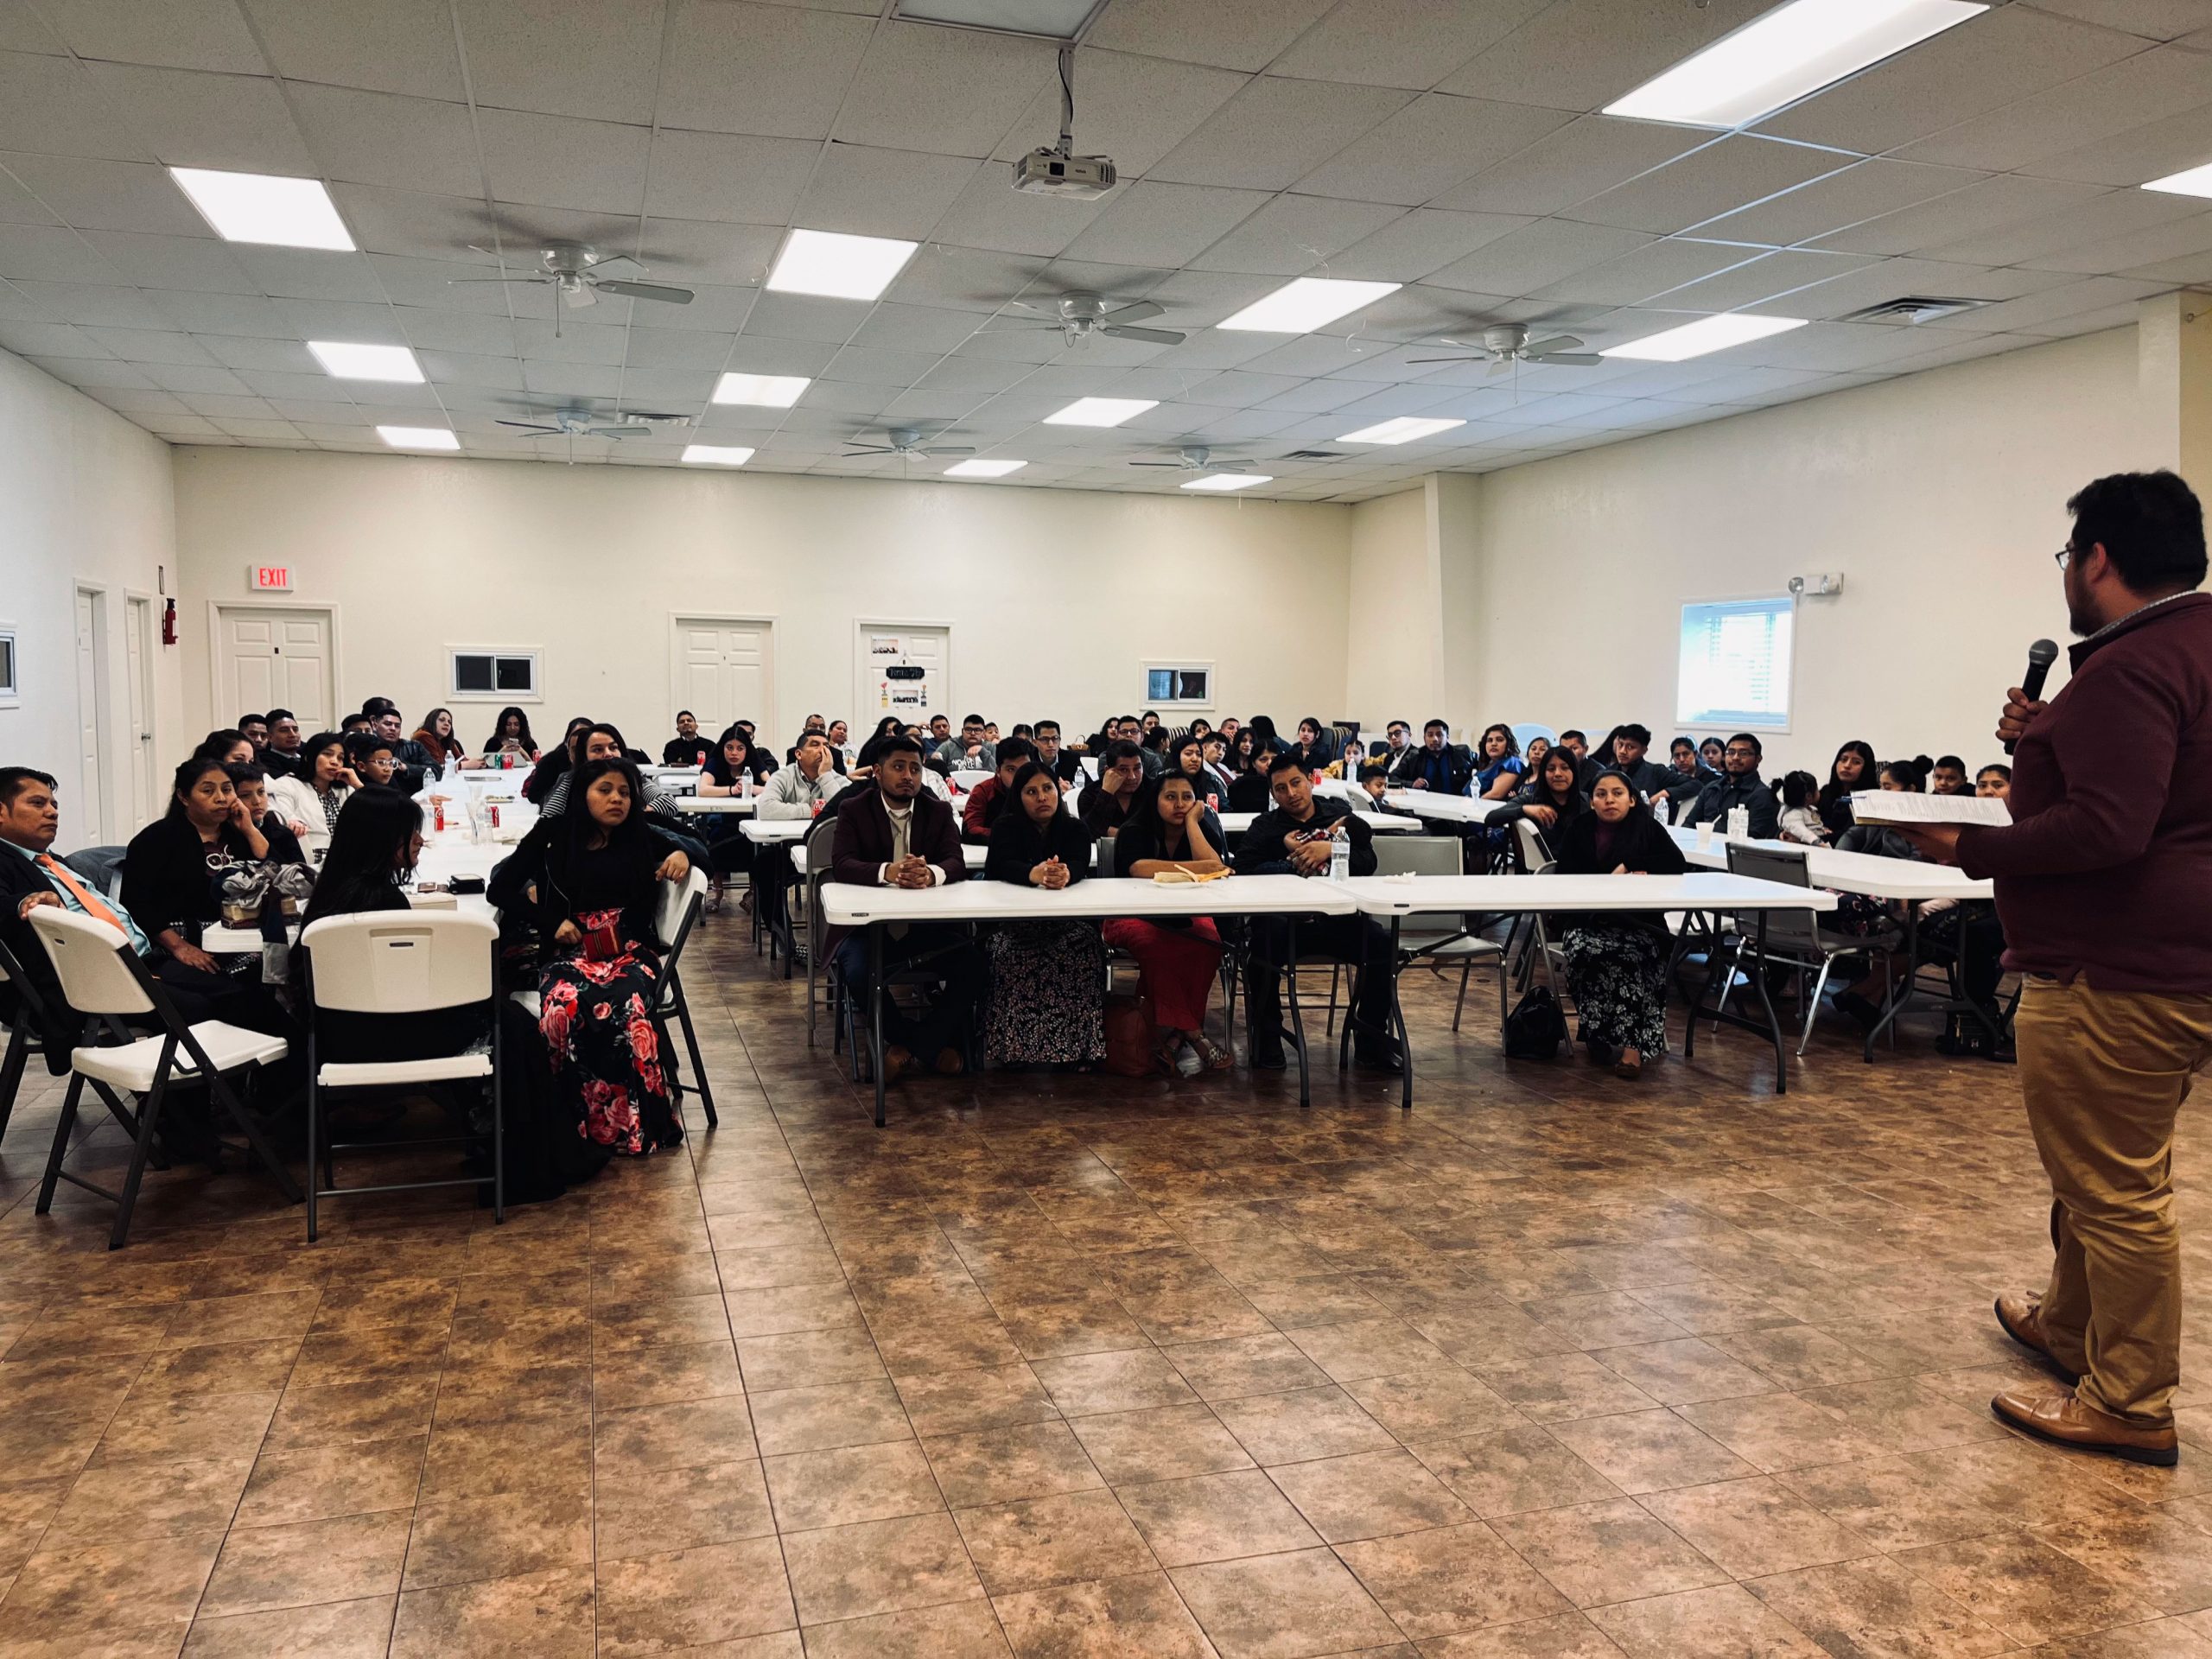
{"points": [[1616, 960], [1577, 743], [1532, 757], [1048, 978], [1065, 765], [1684, 755], [416, 763], [1438, 765], [1740, 786], [1994, 782], [1152, 751], [1497, 767], [1949, 776], [728, 772], [1147, 723], [1186, 759], [1801, 819], [1315, 747], [1250, 792], [556, 761], [1294, 838], [1552, 798], [971, 750], [31, 874], [601, 741], [895, 836], [356, 722], [1228, 729], [800, 789], [1906, 777], [371, 757], [1715, 755], [1397, 745], [841, 743], [250, 785], [1201, 728], [940, 733], [1177, 958], [510, 744], [225, 748], [315, 793], [255, 727], [981, 807], [1213, 757], [438, 736], [589, 881], [1104, 806], [1630, 745], [885, 728], [1375, 785], [1240, 752], [1851, 769], [281, 757], [689, 747]]}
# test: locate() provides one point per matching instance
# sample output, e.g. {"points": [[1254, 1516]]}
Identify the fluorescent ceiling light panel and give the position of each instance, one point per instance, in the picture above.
{"points": [[344, 361], [769, 390], [1101, 411], [838, 266], [1404, 429], [263, 207], [418, 438], [1229, 481], [1791, 52], [2197, 182], [984, 469], [1705, 334], [1310, 302], [1051, 19], [716, 454]]}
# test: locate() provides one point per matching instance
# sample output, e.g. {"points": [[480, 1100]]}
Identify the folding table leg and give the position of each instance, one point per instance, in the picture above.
{"points": [[1298, 1023], [1773, 1020], [875, 1011], [1398, 1016], [68, 1122]]}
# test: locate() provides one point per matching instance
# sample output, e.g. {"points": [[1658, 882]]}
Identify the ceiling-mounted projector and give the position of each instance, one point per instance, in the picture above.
{"points": [[1056, 170]]}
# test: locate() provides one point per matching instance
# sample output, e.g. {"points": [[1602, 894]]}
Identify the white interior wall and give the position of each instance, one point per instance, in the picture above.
{"points": [[85, 499], [1055, 597], [1394, 658], [1939, 497]]}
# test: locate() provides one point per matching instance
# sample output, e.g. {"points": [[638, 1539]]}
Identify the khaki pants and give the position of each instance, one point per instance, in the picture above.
{"points": [[2105, 1073]]}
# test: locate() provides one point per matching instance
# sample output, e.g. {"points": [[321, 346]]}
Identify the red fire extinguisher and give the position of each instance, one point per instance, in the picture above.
{"points": [[169, 622]]}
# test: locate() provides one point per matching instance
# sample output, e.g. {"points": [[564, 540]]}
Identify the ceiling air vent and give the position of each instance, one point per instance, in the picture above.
{"points": [[1315, 455], [1914, 308]]}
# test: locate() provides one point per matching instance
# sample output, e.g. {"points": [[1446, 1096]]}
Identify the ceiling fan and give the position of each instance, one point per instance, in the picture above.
{"points": [[583, 424], [1505, 344], [580, 275], [1082, 314], [1196, 458], [906, 441]]}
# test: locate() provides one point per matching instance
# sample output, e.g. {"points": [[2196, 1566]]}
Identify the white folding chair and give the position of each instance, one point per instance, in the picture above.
{"points": [[681, 903], [397, 964], [102, 978], [1439, 855]]}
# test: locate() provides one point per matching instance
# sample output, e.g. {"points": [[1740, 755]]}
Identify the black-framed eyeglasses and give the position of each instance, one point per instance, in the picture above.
{"points": [[2065, 556]]}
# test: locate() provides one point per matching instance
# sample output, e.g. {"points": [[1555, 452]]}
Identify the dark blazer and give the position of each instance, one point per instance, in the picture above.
{"points": [[58, 1029], [1018, 845], [1449, 770], [1641, 843], [862, 845], [686, 751]]}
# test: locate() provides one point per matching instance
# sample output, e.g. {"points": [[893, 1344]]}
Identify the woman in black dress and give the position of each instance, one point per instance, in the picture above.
{"points": [[590, 878], [1616, 960], [1048, 979]]}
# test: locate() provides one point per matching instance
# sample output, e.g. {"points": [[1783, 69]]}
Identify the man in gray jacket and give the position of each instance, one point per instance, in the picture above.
{"points": [[800, 789]]}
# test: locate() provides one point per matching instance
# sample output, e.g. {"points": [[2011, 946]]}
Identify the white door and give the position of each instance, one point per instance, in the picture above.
{"points": [[91, 816], [901, 671], [270, 658], [138, 675], [722, 668]]}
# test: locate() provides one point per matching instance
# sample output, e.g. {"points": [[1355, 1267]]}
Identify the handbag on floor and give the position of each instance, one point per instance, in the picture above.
{"points": [[1535, 1028], [1132, 1037]]}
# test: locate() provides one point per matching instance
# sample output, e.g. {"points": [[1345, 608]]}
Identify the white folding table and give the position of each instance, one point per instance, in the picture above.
{"points": [[1097, 898], [1392, 898], [740, 806], [444, 857]]}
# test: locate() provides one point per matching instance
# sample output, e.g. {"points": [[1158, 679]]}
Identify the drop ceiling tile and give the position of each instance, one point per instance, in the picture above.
{"points": [[96, 195], [307, 386], [1416, 313], [380, 138], [1031, 347], [61, 339], [306, 274], [1292, 235], [1239, 388], [1315, 354], [776, 71], [395, 46], [1536, 256], [990, 214], [1992, 205], [1585, 157], [2031, 312], [679, 391], [571, 379], [893, 193], [1837, 347], [416, 223], [2004, 54], [191, 119], [579, 341], [1420, 243], [52, 106], [434, 284], [1774, 277], [1580, 55], [1317, 396], [712, 176], [556, 57], [1163, 224], [1276, 131], [804, 317], [2150, 151], [953, 91], [1647, 273], [675, 348], [1433, 145], [913, 328], [1707, 183], [50, 253], [1244, 34], [179, 34], [200, 385], [713, 310], [551, 161], [365, 324], [2106, 103], [187, 429], [243, 351], [961, 279], [82, 303], [687, 251], [1135, 110], [472, 333], [1213, 350], [869, 366], [2120, 213], [2189, 270], [837, 398], [1409, 43], [1831, 206], [142, 403], [2156, 20]]}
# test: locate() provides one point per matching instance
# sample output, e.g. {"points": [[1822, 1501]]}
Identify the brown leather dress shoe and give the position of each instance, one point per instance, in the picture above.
{"points": [[2019, 1313], [950, 1063], [2062, 1420], [895, 1061]]}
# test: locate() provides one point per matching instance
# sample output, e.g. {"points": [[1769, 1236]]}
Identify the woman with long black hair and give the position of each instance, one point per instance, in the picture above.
{"points": [[1851, 769], [557, 762], [1616, 960], [171, 868], [510, 738], [1048, 999], [590, 880], [1167, 830]]}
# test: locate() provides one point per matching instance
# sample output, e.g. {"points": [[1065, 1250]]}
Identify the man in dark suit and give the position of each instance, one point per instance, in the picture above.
{"points": [[897, 835], [28, 818], [1438, 765]]}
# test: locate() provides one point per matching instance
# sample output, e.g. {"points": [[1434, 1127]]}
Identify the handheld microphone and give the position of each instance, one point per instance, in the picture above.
{"points": [[2041, 656]]}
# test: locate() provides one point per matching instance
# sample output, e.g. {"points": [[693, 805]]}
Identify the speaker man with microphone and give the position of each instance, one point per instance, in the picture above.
{"points": [[2104, 883]]}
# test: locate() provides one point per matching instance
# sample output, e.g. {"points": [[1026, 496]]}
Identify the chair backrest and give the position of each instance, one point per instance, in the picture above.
{"points": [[680, 904], [400, 962], [88, 960], [820, 840], [100, 865], [1417, 855], [1533, 854], [1787, 930]]}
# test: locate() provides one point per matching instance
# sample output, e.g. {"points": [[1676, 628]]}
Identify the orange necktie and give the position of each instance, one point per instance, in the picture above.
{"points": [[93, 907]]}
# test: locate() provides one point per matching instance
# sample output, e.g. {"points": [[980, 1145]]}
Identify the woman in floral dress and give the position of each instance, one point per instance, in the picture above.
{"points": [[590, 880]]}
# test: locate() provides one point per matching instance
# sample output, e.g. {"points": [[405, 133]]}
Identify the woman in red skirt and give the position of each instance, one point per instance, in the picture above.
{"points": [[1167, 829]]}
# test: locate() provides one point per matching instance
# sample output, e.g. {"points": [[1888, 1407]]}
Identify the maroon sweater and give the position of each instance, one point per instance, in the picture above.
{"points": [[2107, 867]]}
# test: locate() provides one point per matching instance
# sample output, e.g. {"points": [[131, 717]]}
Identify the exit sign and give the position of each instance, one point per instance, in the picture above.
{"points": [[269, 578]]}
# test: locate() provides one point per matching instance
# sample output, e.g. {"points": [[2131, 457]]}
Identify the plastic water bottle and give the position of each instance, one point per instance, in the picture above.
{"points": [[1339, 859]]}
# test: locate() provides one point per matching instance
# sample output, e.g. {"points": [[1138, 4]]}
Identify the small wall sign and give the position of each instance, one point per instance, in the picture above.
{"points": [[269, 578]]}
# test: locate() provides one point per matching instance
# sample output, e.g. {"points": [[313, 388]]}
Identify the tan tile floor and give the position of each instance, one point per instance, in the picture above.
{"points": [[1556, 1367]]}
